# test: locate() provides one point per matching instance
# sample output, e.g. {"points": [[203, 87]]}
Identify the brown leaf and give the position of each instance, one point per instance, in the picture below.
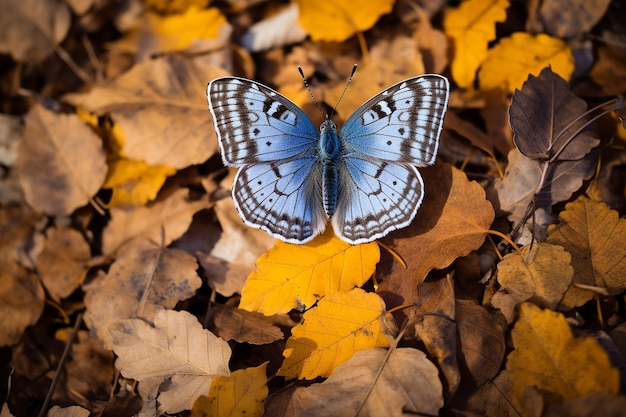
{"points": [[30, 29], [589, 405], [570, 18], [144, 279], [161, 108], [495, 398], [167, 218], [62, 262], [453, 221], [408, 383], [546, 119], [60, 161], [244, 326]]}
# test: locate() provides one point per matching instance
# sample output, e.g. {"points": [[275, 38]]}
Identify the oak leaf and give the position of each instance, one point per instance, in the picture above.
{"points": [[408, 384], [61, 161], [160, 106], [30, 29], [328, 20], [290, 276], [340, 325], [595, 237], [175, 356], [549, 358], [135, 182], [472, 26], [239, 394], [509, 62], [144, 278]]}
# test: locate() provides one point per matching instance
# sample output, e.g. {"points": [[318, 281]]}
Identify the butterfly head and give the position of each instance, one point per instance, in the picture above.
{"points": [[328, 125]]}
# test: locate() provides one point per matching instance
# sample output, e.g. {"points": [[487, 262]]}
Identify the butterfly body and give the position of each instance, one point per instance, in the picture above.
{"points": [[293, 178]]}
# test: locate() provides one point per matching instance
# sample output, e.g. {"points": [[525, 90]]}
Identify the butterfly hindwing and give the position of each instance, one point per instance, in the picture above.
{"points": [[256, 124], [383, 196], [402, 123], [283, 198]]}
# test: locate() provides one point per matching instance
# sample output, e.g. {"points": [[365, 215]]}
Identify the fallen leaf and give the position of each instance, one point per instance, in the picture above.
{"points": [[494, 398], [509, 62], [275, 31], [164, 219], [453, 220], [408, 384], [595, 237], [239, 394], [69, 160], [548, 357], [72, 411], [291, 275], [547, 120], [175, 354], [321, 343], [244, 326], [144, 278], [472, 26], [541, 274], [63, 261], [328, 20], [160, 106], [570, 18], [30, 29], [135, 182], [589, 405]]}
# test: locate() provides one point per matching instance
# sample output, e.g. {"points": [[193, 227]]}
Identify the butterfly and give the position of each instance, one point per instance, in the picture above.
{"points": [[293, 178]]}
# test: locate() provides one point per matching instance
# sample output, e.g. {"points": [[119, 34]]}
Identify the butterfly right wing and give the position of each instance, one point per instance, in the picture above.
{"points": [[257, 124], [278, 187]]}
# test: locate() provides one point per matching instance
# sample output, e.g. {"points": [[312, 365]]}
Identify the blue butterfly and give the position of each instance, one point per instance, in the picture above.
{"points": [[292, 178]]}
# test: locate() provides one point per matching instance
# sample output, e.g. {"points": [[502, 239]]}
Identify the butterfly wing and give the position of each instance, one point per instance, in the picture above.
{"points": [[278, 185], [257, 124], [380, 188], [403, 123]]}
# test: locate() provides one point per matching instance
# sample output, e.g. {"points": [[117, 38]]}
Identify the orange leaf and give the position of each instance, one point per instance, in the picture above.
{"points": [[135, 182]]}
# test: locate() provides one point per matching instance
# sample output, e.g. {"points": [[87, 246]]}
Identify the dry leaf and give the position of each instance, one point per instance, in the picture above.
{"points": [[548, 357], [509, 62], [31, 29], [595, 237], [321, 343], [290, 276], [72, 411], [547, 120], [244, 326], [589, 405], [167, 219], [175, 355], [241, 393], [472, 26], [408, 384], [570, 18], [494, 398], [160, 107], [541, 274], [144, 279], [62, 263], [275, 31], [327, 20], [60, 160]]}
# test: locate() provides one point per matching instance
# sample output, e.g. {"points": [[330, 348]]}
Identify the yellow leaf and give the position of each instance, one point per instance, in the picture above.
{"points": [[332, 20], [548, 357], [135, 182], [333, 331], [544, 274], [289, 276], [180, 31], [595, 236], [239, 394], [472, 26], [509, 62]]}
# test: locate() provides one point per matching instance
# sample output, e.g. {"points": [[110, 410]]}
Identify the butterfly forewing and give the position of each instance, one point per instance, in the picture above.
{"points": [[255, 123], [402, 123]]}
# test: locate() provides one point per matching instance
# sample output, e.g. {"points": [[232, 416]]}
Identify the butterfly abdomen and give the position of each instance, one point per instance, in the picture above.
{"points": [[329, 152]]}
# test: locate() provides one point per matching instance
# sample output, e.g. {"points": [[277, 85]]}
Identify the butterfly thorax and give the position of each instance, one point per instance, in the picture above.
{"points": [[329, 151]]}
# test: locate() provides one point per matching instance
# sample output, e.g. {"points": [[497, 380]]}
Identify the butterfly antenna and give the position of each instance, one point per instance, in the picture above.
{"points": [[306, 84], [344, 91]]}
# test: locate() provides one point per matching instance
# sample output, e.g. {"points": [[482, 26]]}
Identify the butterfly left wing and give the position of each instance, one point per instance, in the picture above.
{"points": [[257, 124], [402, 123]]}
